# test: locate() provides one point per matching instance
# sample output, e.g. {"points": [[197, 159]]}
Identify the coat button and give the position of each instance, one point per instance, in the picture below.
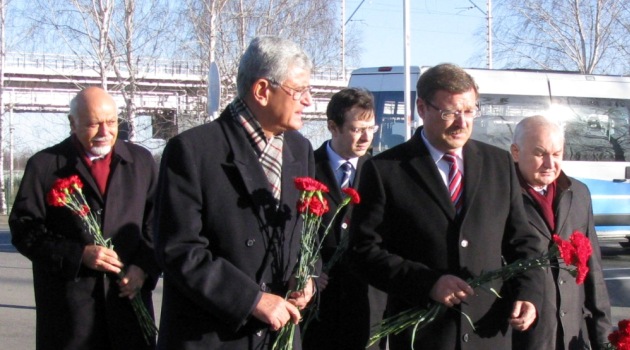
{"points": [[465, 338], [259, 334], [344, 226], [561, 282], [464, 243], [250, 242]]}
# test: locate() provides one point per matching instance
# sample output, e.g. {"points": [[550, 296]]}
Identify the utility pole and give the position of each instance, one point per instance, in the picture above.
{"points": [[343, 33], [489, 17], [407, 51], [343, 39], [488, 14]]}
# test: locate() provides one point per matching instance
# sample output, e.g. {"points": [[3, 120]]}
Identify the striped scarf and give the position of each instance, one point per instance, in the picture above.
{"points": [[269, 151]]}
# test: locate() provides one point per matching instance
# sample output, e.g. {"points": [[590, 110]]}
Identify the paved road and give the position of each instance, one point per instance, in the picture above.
{"points": [[17, 305]]}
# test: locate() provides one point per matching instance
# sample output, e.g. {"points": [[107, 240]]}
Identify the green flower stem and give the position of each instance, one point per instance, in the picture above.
{"points": [[418, 317], [310, 247], [76, 204]]}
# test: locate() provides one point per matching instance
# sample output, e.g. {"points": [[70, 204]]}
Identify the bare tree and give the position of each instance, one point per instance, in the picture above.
{"points": [[572, 35], [222, 29]]}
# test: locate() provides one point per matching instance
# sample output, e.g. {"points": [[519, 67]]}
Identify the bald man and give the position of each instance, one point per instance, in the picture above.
{"points": [[572, 316], [80, 301]]}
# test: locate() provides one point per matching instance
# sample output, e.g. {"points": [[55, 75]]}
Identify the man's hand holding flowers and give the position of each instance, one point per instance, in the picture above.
{"points": [[450, 290], [132, 282], [102, 259], [302, 297], [275, 311]]}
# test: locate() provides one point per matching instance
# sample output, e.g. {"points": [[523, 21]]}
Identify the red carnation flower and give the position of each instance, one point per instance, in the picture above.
{"points": [[567, 251], [353, 194], [56, 198], [318, 206], [576, 251], [309, 184], [620, 338]]}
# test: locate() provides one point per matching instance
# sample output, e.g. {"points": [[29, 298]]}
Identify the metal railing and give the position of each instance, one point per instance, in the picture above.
{"points": [[66, 64]]}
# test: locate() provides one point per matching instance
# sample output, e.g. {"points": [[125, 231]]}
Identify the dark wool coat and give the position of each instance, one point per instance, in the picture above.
{"points": [[220, 238], [79, 308], [406, 234], [581, 312], [348, 306]]}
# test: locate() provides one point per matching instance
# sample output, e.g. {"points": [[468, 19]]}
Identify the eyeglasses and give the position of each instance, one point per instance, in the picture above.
{"points": [[451, 115], [296, 94], [372, 129]]}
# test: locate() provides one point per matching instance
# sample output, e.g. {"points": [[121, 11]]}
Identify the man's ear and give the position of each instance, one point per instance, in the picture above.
{"points": [[332, 125], [71, 120], [261, 91], [514, 151]]}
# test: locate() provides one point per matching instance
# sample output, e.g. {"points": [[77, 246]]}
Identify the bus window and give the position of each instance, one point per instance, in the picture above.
{"points": [[390, 116], [501, 113], [596, 129]]}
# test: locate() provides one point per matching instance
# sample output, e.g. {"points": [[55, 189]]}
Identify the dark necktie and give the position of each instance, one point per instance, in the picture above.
{"points": [[455, 184], [347, 171]]}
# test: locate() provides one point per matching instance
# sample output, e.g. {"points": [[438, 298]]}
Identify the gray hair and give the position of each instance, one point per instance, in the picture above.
{"points": [[269, 57], [533, 124]]}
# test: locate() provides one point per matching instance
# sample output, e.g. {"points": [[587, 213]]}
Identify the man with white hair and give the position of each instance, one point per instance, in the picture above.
{"points": [[572, 316], [81, 303]]}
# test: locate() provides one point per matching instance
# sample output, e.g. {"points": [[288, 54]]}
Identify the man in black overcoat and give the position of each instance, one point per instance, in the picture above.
{"points": [[80, 301], [573, 316], [348, 306], [438, 210], [228, 234]]}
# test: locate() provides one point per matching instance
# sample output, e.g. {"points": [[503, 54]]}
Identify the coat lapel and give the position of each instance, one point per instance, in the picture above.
{"points": [[535, 219], [563, 211], [473, 166], [421, 163], [327, 174], [246, 163]]}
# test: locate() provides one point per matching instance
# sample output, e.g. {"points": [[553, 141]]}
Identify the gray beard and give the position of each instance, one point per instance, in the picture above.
{"points": [[101, 151]]}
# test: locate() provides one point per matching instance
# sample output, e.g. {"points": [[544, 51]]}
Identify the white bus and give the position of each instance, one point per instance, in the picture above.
{"points": [[594, 111]]}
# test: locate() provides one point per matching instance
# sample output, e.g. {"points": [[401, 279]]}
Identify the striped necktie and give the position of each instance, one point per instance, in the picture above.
{"points": [[455, 184], [347, 171]]}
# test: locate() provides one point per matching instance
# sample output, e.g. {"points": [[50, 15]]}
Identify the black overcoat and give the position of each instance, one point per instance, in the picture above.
{"points": [[406, 234], [348, 306], [582, 312], [79, 308], [220, 238]]}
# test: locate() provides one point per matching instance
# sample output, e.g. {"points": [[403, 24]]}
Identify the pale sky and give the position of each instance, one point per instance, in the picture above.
{"points": [[441, 31]]}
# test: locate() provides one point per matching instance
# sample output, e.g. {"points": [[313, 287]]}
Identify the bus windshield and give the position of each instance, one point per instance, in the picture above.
{"points": [[390, 116]]}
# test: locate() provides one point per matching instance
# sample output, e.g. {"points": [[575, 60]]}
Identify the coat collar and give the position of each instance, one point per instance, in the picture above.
{"points": [[562, 207], [121, 154], [326, 173], [421, 163]]}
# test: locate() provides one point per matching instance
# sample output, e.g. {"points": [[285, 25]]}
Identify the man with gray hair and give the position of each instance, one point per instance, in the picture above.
{"points": [[228, 234], [572, 316]]}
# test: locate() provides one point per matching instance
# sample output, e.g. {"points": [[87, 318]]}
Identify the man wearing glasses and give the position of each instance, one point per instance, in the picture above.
{"points": [[438, 210], [228, 235], [344, 315]]}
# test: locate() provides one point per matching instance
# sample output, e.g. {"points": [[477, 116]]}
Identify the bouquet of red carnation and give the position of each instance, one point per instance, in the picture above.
{"points": [[574, 252], [620, 339], [67, 192], [311, 206]]}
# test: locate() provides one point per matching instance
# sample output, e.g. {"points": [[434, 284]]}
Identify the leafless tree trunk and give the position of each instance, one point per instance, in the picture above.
{"points": [[3, 198], [129, 90], [573, 35]]}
